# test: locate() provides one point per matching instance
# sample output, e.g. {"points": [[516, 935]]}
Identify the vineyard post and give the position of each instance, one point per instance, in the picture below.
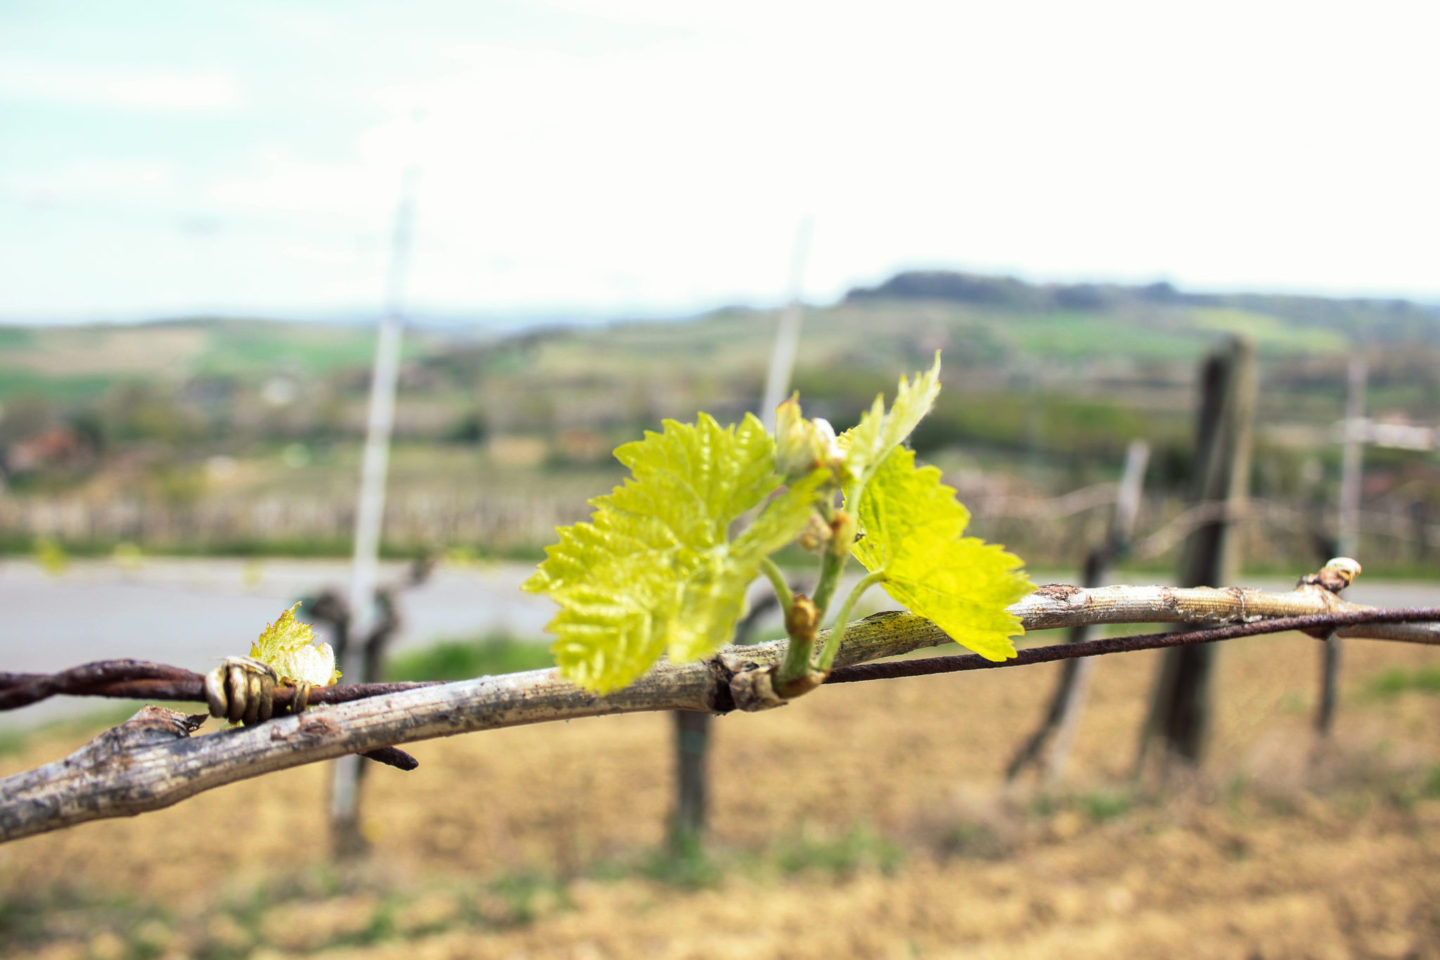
{"points": [[693, 732], [1057, 729], [1181, 702], [1348, 533]]}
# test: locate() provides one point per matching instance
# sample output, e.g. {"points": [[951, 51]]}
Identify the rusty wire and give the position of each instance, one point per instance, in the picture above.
{"points": [[1322, 622], [146, 680]]}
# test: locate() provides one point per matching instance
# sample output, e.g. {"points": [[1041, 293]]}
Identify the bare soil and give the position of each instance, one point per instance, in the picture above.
{"points": [[868, 820]]}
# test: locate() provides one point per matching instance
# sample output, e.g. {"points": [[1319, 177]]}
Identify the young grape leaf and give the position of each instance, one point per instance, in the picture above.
{"points": [[653, 571], [913, 530], [289, 646], [869, 442]]}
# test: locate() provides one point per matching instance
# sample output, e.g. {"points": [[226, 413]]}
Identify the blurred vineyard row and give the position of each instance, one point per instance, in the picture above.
{"points": [[231, 436]]}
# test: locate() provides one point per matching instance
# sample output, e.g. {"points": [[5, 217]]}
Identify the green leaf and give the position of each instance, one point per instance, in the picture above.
{"points": [[653, 571], [870, 441], [914, 531], [289, 646]]}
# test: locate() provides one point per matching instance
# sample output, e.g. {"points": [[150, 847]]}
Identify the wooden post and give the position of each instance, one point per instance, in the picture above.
{"points": [[1057, 730], [1180, 708], [692, 752], [692, 788], [1348, 534]]}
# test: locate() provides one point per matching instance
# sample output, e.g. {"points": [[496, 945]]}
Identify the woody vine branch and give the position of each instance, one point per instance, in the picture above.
{"points": [[165, 765]]}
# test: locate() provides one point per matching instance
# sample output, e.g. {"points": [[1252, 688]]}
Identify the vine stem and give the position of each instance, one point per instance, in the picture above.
{"points": [[795, 665], [842, 619], [776, 576], [832, 565], [802, 621]]}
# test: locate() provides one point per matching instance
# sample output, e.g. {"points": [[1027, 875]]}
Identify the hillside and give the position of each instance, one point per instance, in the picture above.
{"points": [[1353, 320], [242, 435]]}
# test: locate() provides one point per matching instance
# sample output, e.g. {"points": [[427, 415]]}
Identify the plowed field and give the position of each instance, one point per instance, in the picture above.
{"points": [[868, 820]]}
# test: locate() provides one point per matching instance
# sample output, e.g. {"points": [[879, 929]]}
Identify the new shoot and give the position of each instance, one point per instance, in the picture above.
{"points": [[657, 569]]}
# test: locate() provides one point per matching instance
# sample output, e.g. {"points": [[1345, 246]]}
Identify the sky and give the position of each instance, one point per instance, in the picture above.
{"points": [[651, 157]]}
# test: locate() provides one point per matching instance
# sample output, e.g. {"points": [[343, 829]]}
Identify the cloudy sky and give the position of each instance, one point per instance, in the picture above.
{"points": [[623, 156]]}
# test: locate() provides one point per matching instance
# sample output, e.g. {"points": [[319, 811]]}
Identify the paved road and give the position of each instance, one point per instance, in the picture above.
{"points": [[192, 612]]}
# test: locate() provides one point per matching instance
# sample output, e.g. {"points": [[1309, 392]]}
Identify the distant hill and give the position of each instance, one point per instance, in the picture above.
{"points": [[243, 435], [1366, 319]]}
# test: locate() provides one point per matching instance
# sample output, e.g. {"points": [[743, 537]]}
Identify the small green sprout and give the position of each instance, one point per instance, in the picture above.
{"points": [[658, 569], [288, 646]]}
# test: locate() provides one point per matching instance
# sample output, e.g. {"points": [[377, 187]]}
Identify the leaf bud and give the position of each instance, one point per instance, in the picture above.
{"points": [[816, 534], [1336, 575], [802, 445], [842, 533], [802, 619], [796, 449]]}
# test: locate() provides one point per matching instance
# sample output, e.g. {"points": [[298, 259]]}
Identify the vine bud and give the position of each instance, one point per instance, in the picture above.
{"points": [[816, 534], [802, 619], [842, 533], [1343, 569], [802, 445], [796, 449], [1336, 575]]}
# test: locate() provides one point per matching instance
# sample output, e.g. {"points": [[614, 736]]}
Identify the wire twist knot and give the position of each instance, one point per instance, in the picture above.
{"points": [[242, 690]]}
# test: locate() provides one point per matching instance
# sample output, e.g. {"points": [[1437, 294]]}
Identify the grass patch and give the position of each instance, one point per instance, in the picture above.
{"points": [[1392, 683], [685, 864], [1102, 805], [1272, 334], [1430, 786], [1080, 336], [57, 388], [1098, 805], [859, 848], [690, 864], [13, 742], [133, 927], [1399, 789], [348, 910], [491, 654]]}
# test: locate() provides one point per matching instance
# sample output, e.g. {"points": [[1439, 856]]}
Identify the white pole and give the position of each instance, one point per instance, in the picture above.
{"points": [[370, 508], [787, 336]]}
